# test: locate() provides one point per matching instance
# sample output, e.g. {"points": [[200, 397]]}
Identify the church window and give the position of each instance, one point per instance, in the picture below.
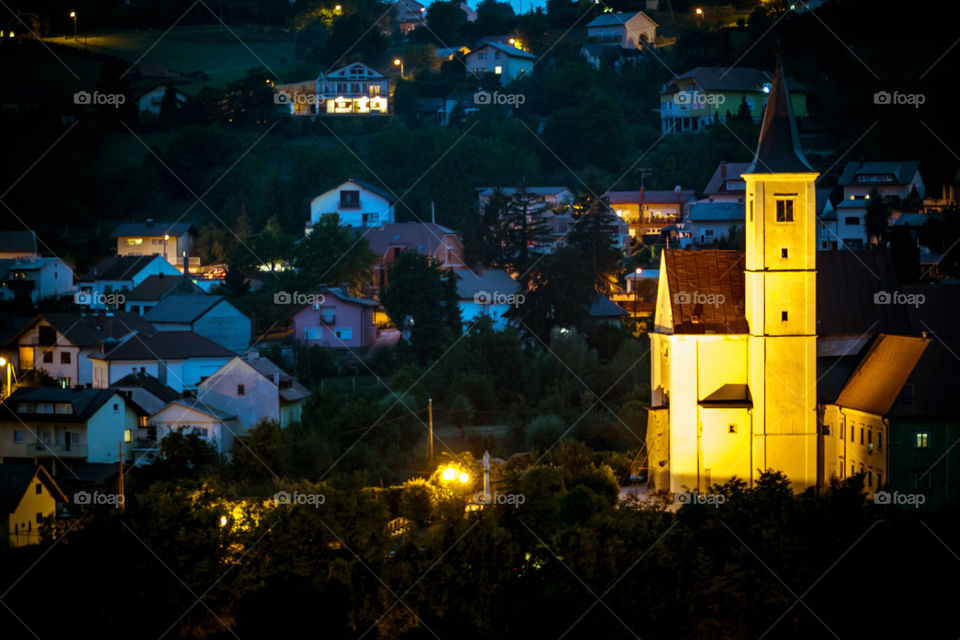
{"points": [[783, 252], [783, 316], [784, 210], [733, 428]]}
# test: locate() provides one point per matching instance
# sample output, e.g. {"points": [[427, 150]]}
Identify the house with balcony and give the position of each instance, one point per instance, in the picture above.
{"points": [[428, 238], [28, 496], [648, 211], [32, 279], [252, 389], [168, 239], [105, 285], [557, 199], [59, 343], [211, 317], [352, 89], [54, 426], [634, 30], [178, 359], [698, 98], [410, 14], [508, 62], [339, 321], [357, 203]]}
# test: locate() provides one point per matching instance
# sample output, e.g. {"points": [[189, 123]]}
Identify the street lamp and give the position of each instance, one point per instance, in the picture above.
{"points": [[398, 62], [636, 292], [6, 364], [451, 474], [700, 15], [73, 14], [166, 237]]}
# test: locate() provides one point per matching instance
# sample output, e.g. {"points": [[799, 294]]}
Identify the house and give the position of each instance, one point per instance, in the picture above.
{"points": [[648, 211], [558, 199], [339, 321], [55, 426], [59, 343], [352, 89], [697, 98], [186, 416], [606, 311], [179, 359], [145, 391], [504, 60], [33, 279], [844, 225], [708, 221], [209, 316], [105, 286], [150, 102], [726, 183], [410, 14], [744, 344], [428, 238], [28, 496], [254, 389], [358, 204], [434, 106], [486, 293], [633, 30], [18, 244], [168, 239], [598, 55], [154, 289]]}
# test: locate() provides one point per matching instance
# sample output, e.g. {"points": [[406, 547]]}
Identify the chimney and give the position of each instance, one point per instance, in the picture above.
{"points": [[433, 213], [276, 378], [345, 287], [679, 193]]}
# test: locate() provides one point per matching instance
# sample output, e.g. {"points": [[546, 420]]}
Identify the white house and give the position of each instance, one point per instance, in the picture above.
{"points": [[628, 30], [209, 316], [187, 415], [503, 60], [59, 343], [155, 289], [358, 203], [51, 425], [35, 279], [709, 221], [551, 198], [150, 101], [726, 184], [104, 286], [178, 359], [167, 239], [353, 89], [254, 389], [486, 292]]}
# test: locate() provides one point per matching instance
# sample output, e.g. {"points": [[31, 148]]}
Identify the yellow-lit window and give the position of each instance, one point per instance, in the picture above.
{"points": [[498, 69], [134, 241], [128, 435], [923, 440]]}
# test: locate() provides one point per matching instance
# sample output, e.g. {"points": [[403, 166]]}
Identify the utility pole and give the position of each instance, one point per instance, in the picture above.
{"points": [[430, 441], [120, 487]]}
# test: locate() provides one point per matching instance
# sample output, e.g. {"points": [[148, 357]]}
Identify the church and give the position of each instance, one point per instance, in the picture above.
{"points": [[738, 338]]}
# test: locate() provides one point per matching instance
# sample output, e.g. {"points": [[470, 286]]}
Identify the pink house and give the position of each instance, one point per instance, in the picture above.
{"points": [[340, 321]]}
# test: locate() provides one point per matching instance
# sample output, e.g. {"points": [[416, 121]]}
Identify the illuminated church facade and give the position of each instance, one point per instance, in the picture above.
{"points": [[734, 348]]}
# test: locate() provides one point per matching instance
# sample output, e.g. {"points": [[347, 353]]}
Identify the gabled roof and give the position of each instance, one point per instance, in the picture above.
{"points": [[650, 195], [604, 307], [164, 345], [846, 284], [424, 237], [118, 268], [197, 404], [876, 383], [706, 290], [340, 295], [705, 211], [778, 150], [16, 479], [348, 71], [743, 79], [506, 49], [157, 286], [148, 383], [724, 172], [490, 281], [372, 188], [290, 388], [903, 171], [616, 19], [539, 191], [85, 402], [89, 330], [182, 309], [151, 229], [18, 241]]}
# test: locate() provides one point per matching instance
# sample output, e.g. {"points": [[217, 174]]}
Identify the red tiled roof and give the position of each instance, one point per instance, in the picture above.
{"points": [[876, 383], [712, 275]]}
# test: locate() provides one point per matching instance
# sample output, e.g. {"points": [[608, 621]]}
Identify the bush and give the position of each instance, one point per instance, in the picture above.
{"points": [[418, 501], [544, 432]]}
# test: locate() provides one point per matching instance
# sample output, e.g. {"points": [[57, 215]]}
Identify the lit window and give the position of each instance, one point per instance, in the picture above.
{"points": [[498, 69], [923, 440], [784, 210], [128, 435]]}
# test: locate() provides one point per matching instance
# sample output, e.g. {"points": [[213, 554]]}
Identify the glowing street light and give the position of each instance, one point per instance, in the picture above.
{"points": [[449, 474], [73, 14], [338, 8], [700, 15], [398, 62], [6, 365]]}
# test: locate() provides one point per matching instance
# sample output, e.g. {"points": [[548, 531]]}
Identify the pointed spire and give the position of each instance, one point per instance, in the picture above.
{"points": [[779, 148]]}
